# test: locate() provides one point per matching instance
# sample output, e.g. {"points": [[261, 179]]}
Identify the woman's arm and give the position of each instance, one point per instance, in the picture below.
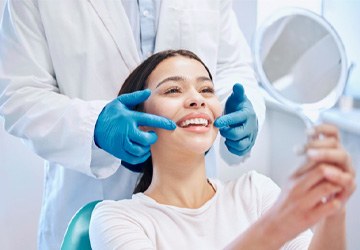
{"points": [[332, 227], [263, 234], [330, 150], [327, 174]]}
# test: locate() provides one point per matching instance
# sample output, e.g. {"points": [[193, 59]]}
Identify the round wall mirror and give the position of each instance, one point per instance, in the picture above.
{"points": [[301, 62]]}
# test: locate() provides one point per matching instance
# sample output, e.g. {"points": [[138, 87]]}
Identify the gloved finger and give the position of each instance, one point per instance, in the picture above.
{"points": [[237, 96], [133, 159], [140, 156], [239, 145], [231, 119], [143, 138], [135, 149], [236, 151], [132, 99], [236, 133], [155, 121]]}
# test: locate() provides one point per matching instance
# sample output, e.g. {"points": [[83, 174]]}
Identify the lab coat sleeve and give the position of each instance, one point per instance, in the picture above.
{"points": [[57, 128], [234, 64]]}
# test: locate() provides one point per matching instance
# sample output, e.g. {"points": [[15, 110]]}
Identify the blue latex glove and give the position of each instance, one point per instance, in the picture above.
{"points": [[239, 124], [117, 128]]}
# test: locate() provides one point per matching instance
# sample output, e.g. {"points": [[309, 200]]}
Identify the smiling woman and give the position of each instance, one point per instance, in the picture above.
{"points": [[175, 205], [174, 76]]}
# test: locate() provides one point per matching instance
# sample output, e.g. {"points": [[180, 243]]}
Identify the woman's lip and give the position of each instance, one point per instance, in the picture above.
{"points": [[194, 116], [197, 129]]}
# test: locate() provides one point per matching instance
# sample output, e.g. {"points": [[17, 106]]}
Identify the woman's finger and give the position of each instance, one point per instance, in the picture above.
{"points": [[326, 142], [307, 166], [327, 130], [345, 180], [320, 193], [324, 209], [338, 157], [305, 182]]}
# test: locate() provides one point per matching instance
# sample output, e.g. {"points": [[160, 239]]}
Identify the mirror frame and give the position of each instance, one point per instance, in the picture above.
{"points": [[331, 99]]}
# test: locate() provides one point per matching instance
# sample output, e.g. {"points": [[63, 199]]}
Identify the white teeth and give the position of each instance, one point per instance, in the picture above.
{"points": [[196, 121]]}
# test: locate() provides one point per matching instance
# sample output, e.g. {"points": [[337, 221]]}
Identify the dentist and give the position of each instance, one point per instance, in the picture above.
{"points": [[61, 65]]}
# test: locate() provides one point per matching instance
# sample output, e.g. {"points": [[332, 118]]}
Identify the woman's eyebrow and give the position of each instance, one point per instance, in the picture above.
{"points": [[180, 79], [203, 79], [171, 78]]}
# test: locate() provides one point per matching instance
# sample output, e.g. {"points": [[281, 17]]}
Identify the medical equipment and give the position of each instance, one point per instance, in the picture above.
{"points": [[301, 62], [77, 233]]}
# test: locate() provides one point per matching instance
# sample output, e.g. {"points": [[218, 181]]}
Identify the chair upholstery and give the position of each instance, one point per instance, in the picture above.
{"points": [[77, 234]]}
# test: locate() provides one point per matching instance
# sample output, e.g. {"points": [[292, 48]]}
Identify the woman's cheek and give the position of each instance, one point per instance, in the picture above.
{"points": [[217, 109], [164, 107]]}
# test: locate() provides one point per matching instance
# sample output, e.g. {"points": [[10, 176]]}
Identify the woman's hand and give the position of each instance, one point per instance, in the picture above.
{"points": [[315, 196], [318, 190], [325, 149]]}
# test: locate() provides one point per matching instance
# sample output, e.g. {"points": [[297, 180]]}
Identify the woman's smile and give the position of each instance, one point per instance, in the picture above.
{"points": [[195, 122]]}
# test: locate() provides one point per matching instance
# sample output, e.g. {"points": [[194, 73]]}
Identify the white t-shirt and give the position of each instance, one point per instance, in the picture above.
{"points": [[142, 223]]}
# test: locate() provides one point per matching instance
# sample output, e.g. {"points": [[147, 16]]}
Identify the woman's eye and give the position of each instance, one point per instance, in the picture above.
{"points": [[173, 90], [208, 90]]}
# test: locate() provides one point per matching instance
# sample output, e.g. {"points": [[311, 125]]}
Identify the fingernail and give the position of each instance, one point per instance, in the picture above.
{"points": [[330, 173], [310, 132], [173, 125], [312, 153]]}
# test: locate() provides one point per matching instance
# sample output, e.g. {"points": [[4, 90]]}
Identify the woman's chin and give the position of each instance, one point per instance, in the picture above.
{"points": [[198, 147], [194, 144]]}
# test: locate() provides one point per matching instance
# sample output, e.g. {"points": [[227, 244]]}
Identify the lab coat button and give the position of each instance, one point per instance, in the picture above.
{"points": [[146, 13]]}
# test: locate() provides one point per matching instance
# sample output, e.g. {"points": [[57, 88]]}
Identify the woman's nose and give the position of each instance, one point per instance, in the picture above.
{"points": [[195, 101]]}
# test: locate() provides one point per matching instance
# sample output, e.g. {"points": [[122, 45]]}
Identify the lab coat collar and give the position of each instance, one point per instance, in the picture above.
{"points": [[120, 32]]}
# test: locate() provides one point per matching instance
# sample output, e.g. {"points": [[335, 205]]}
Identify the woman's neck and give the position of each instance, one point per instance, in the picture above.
{"points": [[179, 180]]}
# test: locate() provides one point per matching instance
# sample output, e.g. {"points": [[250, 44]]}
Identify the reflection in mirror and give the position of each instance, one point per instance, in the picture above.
{"points": [[300, 60], [303, 57]]}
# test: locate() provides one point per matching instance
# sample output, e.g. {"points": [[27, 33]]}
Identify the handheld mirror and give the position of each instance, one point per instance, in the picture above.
{"points": [[301, 62]]}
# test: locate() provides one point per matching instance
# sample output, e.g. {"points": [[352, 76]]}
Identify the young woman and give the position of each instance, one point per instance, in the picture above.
{"points": [[175, 206]]}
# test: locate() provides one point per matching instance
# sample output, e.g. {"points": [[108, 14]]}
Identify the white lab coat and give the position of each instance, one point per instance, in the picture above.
{"points": [[62, 61]]}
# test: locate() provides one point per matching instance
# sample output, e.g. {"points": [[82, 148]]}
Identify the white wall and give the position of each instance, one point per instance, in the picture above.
{"points": [[21, 173], [343, 15]]}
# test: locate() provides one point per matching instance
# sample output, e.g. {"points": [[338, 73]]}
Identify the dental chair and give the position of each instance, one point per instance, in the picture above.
{"points": [[77, 233]]}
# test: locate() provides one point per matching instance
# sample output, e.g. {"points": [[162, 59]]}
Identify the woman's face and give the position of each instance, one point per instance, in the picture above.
{"points": [[183, 92]]}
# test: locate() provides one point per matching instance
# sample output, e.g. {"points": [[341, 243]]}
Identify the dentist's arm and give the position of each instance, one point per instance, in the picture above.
{"points": [[56, 126], [234, 65]]}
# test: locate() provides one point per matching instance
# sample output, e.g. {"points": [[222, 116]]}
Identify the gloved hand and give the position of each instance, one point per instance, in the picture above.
{"points": [[117, 128], [239, 124]]}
